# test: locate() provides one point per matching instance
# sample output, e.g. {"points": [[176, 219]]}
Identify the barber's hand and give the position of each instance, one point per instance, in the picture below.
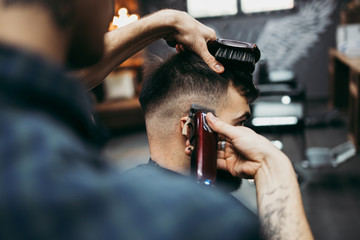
{"points": [[245, 152], [192, 35]]}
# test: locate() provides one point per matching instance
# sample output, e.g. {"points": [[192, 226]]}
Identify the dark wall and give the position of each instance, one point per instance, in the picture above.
{"points": [[312, 28]]}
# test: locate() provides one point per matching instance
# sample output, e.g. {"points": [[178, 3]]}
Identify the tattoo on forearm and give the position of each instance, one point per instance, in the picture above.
{"points": [[274, 219], [274, 215]]}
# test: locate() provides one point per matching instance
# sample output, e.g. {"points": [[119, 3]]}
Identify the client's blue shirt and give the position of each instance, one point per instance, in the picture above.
{"points": [[54, 183]]}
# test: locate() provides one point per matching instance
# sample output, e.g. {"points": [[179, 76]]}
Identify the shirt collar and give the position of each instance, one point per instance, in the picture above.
{"points": [[154, 164]]}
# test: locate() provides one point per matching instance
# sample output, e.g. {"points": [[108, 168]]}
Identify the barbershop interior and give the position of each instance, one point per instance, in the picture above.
{"points": [[308, 77]]}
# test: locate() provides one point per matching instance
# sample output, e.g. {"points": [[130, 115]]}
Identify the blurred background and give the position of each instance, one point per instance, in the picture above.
{"points": [[308, 77]]}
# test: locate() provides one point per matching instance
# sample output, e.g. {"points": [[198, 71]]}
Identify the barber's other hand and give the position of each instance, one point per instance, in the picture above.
{"points": [[188, 33], [246, 151]]}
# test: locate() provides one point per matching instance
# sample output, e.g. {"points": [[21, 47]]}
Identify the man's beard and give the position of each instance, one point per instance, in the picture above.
{"points": [[227, 182]]}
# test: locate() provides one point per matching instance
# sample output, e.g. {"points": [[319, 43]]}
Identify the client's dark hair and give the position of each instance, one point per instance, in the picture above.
{"points": [[186, 74], [61, 10]]}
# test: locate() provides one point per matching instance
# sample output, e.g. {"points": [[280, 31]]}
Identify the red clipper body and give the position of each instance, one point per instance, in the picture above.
{"points": [[204, 141]]}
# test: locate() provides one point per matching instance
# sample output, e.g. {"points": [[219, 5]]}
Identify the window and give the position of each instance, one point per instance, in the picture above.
{"points": [[255, 6], [212, 8]]}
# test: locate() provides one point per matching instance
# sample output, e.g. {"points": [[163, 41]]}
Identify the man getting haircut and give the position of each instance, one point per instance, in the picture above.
{"points": [[166, 98], [55, 183]]}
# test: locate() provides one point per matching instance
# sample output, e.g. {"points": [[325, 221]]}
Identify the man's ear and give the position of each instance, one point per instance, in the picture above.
{"points": [[184, 121]]}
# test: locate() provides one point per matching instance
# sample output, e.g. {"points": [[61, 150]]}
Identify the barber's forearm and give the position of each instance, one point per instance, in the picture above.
{"points": [[280, 205], [122, 43]]}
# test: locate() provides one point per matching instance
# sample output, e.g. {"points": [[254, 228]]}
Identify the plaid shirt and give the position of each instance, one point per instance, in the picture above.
{"points": [[54, 184]]}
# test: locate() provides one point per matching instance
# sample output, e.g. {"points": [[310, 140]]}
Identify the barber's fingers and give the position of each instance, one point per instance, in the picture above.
{"points": [[204, 53], [223, 128], [209, 59], [226, 155], [221, 164], [201, 49], [193, 36], [230, 165], [196, 41]]}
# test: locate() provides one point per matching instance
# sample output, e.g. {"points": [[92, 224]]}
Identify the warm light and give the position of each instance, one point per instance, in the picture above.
{"points": [[123, 11], [133, 17], [123, 19]]}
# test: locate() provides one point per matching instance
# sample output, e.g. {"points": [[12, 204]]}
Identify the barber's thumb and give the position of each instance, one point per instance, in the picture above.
{"points": [[212, 62], [217, 67], [221, 127]]}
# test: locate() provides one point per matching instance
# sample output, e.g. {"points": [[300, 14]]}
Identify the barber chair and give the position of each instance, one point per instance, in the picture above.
{"points": [[318, 157], [280, 107], [279, 115]]}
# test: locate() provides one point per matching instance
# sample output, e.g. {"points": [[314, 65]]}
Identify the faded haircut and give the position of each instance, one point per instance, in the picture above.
{"points": [[62, 11], [186, 76]]}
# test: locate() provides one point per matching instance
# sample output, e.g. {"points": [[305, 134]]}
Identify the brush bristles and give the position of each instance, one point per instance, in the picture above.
{"points": [[236, 59], [235, 55]]}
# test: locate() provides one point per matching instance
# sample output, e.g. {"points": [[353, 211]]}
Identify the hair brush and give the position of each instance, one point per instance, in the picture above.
{"points": [[236, 55]]}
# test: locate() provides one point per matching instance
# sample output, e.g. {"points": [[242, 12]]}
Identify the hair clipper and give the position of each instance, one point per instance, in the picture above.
{"points": [[204, 142]]}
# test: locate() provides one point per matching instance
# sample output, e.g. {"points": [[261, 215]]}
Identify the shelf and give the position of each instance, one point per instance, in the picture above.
{"points": [[341, 68], [345, 90], [121, 114], [353, 63]]}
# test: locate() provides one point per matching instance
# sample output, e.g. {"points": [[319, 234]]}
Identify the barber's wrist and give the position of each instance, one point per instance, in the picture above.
{"points": [[165, 21], [170, 18], [276, 171]]}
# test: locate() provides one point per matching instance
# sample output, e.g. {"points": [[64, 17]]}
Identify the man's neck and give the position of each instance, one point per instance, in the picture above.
{"points": [[170, 154], [175, 162], [32, 28]]}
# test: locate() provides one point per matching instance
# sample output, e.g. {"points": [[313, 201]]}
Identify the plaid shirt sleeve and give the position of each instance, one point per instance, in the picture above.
{"points": [[54, 186]]}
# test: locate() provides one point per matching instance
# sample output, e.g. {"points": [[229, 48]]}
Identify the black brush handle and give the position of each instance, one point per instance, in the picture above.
{"points": [[213, 46]]}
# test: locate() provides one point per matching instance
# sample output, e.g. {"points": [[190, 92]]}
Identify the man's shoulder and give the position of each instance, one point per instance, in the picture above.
{"points": [[28, 127], [60, 178], [185, 203], [36, 144]]}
